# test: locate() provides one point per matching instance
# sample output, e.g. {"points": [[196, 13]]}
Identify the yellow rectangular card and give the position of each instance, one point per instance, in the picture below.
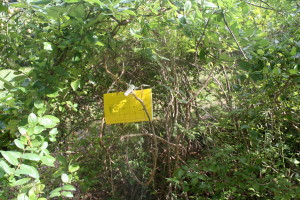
{"points": [[119, 108]]}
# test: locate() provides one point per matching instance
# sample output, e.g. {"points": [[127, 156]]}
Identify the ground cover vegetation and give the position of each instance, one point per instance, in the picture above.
{"points": [[225, 79]]}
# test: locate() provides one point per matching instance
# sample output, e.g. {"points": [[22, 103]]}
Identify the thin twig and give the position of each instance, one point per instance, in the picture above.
{"points": [[199, 91], [260, 6], [200, 39], [155, 156], [296, 127], [13, 16], [232, 34], [150, 135]]}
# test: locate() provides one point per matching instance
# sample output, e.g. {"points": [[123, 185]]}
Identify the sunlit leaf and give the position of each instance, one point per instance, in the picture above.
{"points": [[48, 160], [47, 46], [73, 168], [44, 145], [67, 194], [28, 170], [5, 167], [208, 4], [22, 130], [11, 156], [48, 121], [71, 1], [20, 182], [130, 12], [31, 156], [293, 51], [260, 52], [22, 196], [55, 192], [32, 119], [75, 84], [38, 129], [187, 6], [95, 2], [19, 144], [65, 178], [69, 187]]}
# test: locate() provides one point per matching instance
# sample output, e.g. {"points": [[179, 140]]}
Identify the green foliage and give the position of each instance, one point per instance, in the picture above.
{"points": [[225, 76]]}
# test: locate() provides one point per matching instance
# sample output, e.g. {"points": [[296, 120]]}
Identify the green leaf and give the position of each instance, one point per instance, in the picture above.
{"points": [[28, 170], [245, 126], [38, 104], [69, 187], [22, 130], [44, 145], [48, 121], [54, 94], [72, 1], [3, 8], [55, 192], [260, 52], [32, 119], [98, 43], [126, 1], [58, 173], [95, 1], [187, 7], [293, 51], [48, 160], [179, 173], [19, 144], [65, 178], [41, 2], [276, 71], [78, 12], [244, 65], [31, 156], [53, 131], [6, 75], [73, 168], [47, 46], [62, 160], [5, 167], [293, 71], [209, 4], [20, 182], [38, 129], [22, 196], [257, 76], [75, 84], [130, 12], [67, 194], [11, 156], [18, 5]]}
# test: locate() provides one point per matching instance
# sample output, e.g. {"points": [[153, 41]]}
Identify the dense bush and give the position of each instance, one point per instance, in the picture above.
{"points": [[225, 81]]}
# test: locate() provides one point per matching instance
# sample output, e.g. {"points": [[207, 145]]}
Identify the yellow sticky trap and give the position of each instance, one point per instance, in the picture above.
{"points": [[119, 108]]}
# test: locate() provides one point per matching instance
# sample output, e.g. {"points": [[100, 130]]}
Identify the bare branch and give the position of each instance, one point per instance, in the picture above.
{"points": [[267, 8], [199, 91], [149, 135], [225, 21]]}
